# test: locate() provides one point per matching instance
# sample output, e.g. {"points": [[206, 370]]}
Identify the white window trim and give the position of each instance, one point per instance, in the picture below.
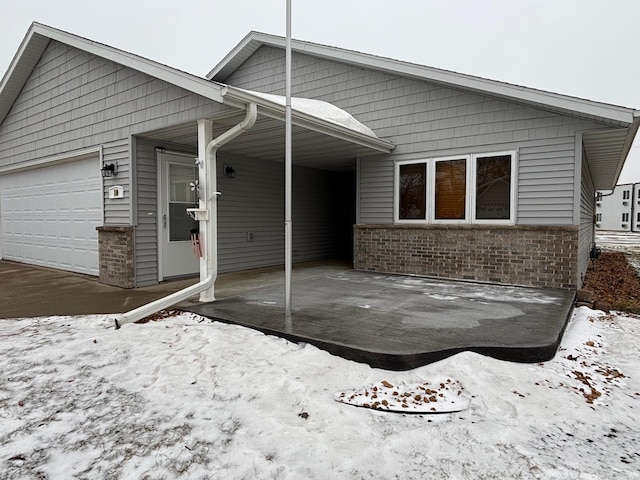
{"points": [[396, 192], [470, 204]]}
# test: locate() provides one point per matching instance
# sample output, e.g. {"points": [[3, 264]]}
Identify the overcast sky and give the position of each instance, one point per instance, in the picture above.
{"points": [[584, 48]]}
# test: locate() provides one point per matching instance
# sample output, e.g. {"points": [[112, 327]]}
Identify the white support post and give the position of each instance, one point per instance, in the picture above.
{"points": [[288, 227], [209, 227]]}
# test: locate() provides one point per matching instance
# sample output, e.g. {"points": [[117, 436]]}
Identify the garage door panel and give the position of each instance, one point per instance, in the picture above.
{"points": [[49, 216]]}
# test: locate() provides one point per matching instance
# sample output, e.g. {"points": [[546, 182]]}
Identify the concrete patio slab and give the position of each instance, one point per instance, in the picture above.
{"points": [[388, 321], [401, 322]]}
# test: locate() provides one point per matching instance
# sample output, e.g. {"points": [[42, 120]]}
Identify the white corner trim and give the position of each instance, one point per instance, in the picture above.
{"points": [[577, 179]]}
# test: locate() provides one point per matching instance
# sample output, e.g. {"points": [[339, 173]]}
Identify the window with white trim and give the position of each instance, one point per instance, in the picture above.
{"points": [[478, 188]]}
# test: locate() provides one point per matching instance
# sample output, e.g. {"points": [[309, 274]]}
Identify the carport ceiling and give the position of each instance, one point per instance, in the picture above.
{"points": [[265, 140]]}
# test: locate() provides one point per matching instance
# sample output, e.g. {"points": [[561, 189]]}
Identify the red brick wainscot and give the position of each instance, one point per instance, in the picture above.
{"points": [[539, 256]]}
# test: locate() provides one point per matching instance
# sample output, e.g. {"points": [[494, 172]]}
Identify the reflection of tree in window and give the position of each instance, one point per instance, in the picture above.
{"points": [[451, 189], [493, 188], [412, 191]]}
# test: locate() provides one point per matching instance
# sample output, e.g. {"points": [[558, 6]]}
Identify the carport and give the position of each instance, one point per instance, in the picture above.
{"points": [[326, 138]]}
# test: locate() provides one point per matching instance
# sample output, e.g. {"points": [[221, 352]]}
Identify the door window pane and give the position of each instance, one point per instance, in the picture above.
{"points": [[413, 179], [493, 188], [180, 224], [180, 177], [181, 197], [451, 189]]}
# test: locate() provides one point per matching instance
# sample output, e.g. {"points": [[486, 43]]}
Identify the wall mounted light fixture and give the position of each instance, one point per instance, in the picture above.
{"points": [[229, 171], [109, 169]]}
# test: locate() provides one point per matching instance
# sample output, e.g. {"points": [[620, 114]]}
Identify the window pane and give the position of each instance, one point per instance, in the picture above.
{"points": [[180, 224], [181, 197], [451, 189], [493, 188], [180, 177], [412, 191]]}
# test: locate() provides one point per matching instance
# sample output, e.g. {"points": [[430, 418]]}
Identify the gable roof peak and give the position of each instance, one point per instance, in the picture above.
{"points": [[37, 40]]}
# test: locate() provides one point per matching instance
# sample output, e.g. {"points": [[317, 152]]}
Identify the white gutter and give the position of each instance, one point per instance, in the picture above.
{"points": [[209, 230]]}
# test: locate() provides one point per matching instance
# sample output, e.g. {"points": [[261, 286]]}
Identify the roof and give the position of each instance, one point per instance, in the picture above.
{"points": [[568, 104], [311, 114], [606, 149]]}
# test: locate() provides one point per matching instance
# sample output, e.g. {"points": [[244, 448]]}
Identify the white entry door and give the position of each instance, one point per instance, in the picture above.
{"points": [[176, 257]]}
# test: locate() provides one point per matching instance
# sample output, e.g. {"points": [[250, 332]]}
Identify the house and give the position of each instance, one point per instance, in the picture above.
{"points": [[619, 209], [398, 167]]}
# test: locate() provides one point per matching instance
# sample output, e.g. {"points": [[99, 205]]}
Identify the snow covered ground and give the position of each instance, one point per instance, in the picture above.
{"points": [[625, 242], [187, 398]]}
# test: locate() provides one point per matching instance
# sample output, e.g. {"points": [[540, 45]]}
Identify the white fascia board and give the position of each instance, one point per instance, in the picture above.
{"points": [[565, 103], [245, 48], [37, 39], [238, 98], [21, 66]]}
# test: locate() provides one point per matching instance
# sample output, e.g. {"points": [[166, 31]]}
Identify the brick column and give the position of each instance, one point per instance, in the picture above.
{"points": [[115, 251]]}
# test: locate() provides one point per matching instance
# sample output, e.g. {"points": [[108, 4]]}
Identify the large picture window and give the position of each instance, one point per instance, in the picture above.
{"points": [[478, 188]]}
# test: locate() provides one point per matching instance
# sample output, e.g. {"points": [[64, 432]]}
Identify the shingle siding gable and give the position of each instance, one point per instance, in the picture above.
{"points": [[74, 100]]}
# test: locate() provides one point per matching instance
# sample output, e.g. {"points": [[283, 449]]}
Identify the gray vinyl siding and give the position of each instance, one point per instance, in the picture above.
{"points": [[253, 202], [74, 100], [117, 212], [546, 175], [146, 229], [587, 212], [376, 190], [427, 120]]}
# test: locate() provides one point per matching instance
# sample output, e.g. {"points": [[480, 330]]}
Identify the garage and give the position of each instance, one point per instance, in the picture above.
{"points": [[49, 215]]}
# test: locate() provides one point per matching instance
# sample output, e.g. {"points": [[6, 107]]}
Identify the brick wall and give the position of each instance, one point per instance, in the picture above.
{"points": [[115, 251], [521, 255]]}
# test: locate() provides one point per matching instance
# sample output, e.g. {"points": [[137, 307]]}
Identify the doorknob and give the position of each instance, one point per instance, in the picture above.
{"points": [[164, 221]]}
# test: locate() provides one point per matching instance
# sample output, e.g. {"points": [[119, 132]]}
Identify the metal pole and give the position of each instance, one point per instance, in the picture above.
{"points": [[288, 249]]}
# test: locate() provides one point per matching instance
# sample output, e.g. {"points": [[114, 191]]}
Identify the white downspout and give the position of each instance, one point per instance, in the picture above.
{"points": [[209, 231]]}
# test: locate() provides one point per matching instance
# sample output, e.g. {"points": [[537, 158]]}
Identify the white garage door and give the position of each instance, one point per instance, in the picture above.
{"points": [[49, 215]]}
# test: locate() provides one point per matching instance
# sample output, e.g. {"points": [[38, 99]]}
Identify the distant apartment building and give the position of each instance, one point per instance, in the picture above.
{"points": [[619, 210]]}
